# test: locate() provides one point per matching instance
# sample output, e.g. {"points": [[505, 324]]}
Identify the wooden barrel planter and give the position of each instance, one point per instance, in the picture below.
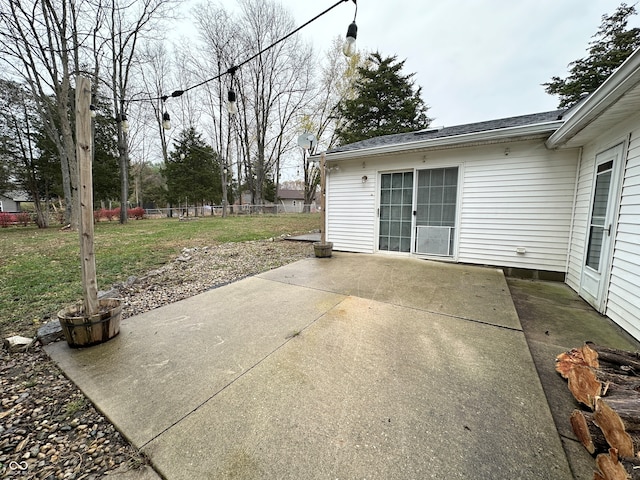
{"points": [[323, 250], [82, 330]]}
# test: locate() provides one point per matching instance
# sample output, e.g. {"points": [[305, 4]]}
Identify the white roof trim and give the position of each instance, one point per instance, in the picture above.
{"points": [[502, 134], [619, 83]]}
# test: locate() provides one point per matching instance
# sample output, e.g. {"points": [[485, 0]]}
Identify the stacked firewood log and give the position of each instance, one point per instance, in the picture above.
{"points": [[607, 382]]}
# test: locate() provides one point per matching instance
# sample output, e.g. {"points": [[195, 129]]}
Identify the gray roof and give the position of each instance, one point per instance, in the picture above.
{"points": [[429, 134], [16, 195], [287, 194]]}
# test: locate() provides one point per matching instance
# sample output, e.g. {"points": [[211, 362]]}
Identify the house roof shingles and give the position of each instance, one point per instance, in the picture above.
{"points": [[429, 134]]}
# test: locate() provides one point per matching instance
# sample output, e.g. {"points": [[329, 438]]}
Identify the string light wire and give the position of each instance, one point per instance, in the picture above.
{"points": [[232, 70]]}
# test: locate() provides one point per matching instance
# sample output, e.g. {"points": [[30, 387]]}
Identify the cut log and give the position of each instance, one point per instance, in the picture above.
{"points": [[584, 385], [622, 360], [611, 467], [619, 419], [583, 356], [587, 432], [615, 381]]}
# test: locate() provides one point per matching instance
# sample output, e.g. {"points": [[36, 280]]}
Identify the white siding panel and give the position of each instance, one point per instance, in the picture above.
{"points": [[523, 200], [351, 209], [623, 303], [581, 217]]}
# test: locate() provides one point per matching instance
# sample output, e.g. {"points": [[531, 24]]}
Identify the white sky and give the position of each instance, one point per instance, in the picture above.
{"points": [[475, 59]]}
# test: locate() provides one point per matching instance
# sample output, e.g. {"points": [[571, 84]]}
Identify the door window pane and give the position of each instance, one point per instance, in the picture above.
{"points": [[599, 215], [595, 247], [408, 180], [437, 177], [396, 180]]}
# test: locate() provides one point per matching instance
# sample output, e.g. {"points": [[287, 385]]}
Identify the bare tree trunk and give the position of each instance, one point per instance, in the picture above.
{"points": [[41, 42]]}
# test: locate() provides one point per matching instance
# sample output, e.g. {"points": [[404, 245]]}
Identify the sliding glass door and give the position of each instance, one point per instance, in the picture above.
{"points": [[435, 209]]}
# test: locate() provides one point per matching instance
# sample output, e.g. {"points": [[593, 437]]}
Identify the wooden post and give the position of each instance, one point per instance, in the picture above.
{"points": [[323, 235], [84, 154]]}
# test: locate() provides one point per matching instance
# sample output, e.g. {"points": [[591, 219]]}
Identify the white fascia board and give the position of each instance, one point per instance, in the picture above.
{"points": [[488, 136], [614, 87]]}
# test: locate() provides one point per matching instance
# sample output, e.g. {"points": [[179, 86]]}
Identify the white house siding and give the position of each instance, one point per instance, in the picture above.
{"points": [[522, 199], [351, 213], [623, 305], [581, 215], [623, 295]]}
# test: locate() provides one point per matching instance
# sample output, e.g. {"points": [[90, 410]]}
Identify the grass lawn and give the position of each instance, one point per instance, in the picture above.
{"points": [[40, 269]]}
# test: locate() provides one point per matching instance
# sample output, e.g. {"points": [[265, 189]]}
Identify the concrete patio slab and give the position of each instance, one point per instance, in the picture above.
{"points": [[167, 362], [373, 390], [476, 293], [358, 366], [555, 319]]}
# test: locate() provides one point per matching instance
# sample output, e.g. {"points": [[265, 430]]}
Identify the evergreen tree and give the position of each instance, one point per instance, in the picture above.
{"points": [[611, 46], [385, 102], [106, 168], [192, 171]]}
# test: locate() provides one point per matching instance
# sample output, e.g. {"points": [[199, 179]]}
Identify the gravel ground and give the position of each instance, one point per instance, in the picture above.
{"points": [[49, 429]]}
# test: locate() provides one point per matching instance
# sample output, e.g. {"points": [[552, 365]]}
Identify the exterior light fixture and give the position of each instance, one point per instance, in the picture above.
{"points": [[94, 110], [349, 47], [232, 104], [166, 121], [122, 118]]}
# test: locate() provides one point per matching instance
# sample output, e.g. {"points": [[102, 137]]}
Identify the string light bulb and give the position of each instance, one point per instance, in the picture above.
{"points": [[124, 123], [94, 110], [232, 104], [166, 121], [349, 47]]}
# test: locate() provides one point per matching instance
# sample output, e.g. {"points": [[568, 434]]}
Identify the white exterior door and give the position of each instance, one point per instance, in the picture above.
{"points": [[598, 254]]}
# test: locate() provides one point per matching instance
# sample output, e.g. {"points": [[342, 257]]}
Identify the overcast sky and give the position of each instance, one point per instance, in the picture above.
{"points": [[474, 59]]}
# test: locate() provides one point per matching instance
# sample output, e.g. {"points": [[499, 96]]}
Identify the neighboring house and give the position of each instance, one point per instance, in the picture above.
{"points": [[555, 193], [292, 201], [10, 201]]}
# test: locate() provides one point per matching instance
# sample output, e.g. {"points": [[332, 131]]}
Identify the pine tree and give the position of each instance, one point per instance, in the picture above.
{"points": [[385, 102], [192, 171], [611, 46]]}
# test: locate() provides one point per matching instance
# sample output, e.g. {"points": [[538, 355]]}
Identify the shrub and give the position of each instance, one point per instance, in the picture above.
{"points": [[109, 214], [23, 218], [7, 219], [137, 213]]}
